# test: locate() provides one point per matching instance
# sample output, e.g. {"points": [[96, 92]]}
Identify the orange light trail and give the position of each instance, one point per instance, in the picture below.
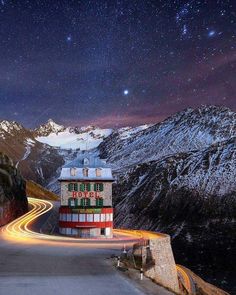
{"points": [[19, 230]]}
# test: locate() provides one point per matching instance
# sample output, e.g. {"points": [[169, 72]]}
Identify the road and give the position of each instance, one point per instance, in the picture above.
{"points": [[35, 263]]}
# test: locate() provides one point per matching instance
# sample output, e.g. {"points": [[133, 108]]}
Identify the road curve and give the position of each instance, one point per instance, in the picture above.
{"points": [[21, 230]]}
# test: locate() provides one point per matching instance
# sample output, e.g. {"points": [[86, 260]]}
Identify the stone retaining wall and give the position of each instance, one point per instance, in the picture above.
{"points": [[164, 269]]}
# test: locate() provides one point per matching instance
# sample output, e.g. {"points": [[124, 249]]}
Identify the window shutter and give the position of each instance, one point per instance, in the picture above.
{"points": [[101, 187], [95, 187], [82, 187], [82, 202], [89, 187], [76, 187]]}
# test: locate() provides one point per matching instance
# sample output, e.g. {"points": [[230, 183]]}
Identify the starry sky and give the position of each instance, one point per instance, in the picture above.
{"points": [[114, 63]]}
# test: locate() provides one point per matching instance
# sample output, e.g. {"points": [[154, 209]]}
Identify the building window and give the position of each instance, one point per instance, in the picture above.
{"points": [[90, 217], [86, 161], [98, 172], [98, 187], [99, 202], [85, 202], [85, 187], [72, 202], [96, 217], [72, 171], [75, 217], [68, 217], [85, 172], [72, 187], [103, 217], [82, 217]]}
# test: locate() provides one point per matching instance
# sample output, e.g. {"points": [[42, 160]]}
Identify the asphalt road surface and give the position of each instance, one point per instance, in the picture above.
{"points": [[32, 266]]}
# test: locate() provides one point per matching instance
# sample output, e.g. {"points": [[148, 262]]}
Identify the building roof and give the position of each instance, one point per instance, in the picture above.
{"points": [[92, 162], [75, 169]]}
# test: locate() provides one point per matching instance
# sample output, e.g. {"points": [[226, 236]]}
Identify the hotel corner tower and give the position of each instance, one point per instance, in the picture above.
{"points": [[86, 198]]}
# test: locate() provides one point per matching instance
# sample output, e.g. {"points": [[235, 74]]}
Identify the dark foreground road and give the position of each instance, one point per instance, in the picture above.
{"points": [[62, 270]]}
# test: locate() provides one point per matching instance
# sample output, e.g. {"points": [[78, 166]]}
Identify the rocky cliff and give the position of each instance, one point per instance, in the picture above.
{"points": [[182, 184], [37, 161], [13, 201]]}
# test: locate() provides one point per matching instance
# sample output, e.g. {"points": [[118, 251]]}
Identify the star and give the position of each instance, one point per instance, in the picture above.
{"points": [[211, 33], [126, 92], [69, 38]]}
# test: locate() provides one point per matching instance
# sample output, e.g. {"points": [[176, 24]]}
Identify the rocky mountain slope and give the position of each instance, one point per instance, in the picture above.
{"points": [[13, 201], [49, 127], [36, 161], [184, 185], [192, 129], [39, 153], [177, 176]]}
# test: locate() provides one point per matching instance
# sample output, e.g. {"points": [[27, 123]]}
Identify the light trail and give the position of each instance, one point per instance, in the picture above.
{"points": [[19, 230], [186, 279]]}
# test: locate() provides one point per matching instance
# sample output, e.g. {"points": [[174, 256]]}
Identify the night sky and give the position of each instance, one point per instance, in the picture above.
{"points": [[114, 63]]}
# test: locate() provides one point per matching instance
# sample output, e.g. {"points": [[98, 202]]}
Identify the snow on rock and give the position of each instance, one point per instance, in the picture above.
{"points": [[70, 138], [191, 129], [9, 128], [127, 132], [49, 127], [198, 185]]}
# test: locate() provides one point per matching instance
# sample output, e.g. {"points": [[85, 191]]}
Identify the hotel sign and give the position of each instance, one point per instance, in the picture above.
{"points": [[85, 195]]}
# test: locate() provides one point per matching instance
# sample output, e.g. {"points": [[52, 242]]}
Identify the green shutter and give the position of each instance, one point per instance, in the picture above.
{"points": [[88, 202], [82, 202], [72, 200], [70, 187], [101, 187], [82, 187], [76, 187], [95, 187], [89, 187], [99, 202]]}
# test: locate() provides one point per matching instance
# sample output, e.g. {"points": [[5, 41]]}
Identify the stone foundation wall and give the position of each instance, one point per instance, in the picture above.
{"points": [[164, 269]]}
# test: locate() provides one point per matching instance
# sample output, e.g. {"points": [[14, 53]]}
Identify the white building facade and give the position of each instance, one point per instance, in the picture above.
{"points": [[86, 198]]}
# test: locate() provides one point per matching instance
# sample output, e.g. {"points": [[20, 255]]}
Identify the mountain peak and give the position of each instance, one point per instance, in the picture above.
{"points": [[9, 127], [49, 127]]}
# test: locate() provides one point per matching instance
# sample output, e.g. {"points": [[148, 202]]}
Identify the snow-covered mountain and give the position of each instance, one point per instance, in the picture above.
{"points": [[178, 177], [191, 129], [84, 138], [179, 188], [36, 161], [191, 196], [48, 128]]}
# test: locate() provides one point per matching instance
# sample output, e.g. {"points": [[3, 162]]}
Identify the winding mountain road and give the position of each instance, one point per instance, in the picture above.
{"points": [[35, 263]]}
